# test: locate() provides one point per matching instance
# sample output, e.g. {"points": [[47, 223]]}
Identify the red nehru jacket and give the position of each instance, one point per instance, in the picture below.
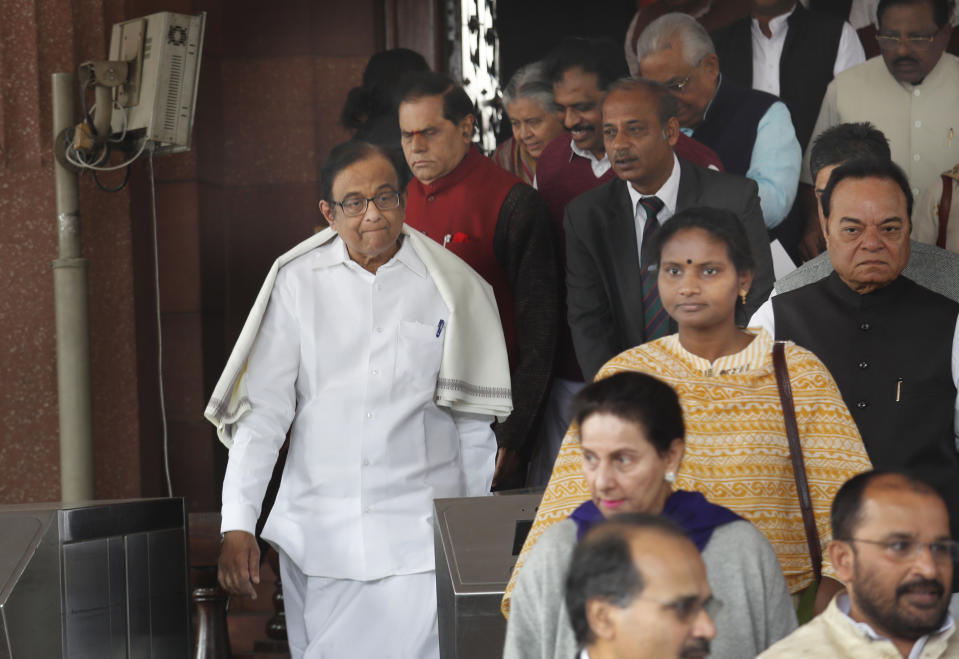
{"points": [[460, 211]]}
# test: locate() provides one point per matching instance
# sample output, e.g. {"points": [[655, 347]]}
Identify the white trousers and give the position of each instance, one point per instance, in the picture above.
{"points": [[347, 619]]}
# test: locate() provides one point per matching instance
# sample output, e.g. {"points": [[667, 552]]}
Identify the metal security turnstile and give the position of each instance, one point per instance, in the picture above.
{"points": [[97, 580], [477, 540]]}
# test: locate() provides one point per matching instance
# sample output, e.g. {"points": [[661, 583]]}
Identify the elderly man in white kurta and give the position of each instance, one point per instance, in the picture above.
{"points": [[910, 92], [385, 353]]}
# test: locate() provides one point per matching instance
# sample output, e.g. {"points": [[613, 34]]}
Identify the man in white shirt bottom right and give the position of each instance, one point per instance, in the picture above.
{"points": [[892, 549]]}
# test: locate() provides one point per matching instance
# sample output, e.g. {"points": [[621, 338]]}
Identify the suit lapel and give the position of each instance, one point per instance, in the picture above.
{"points": [[689, 186], [620, 229]]}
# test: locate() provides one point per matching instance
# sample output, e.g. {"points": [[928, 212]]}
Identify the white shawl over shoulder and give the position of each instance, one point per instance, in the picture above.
{"points": [[474, 372]]}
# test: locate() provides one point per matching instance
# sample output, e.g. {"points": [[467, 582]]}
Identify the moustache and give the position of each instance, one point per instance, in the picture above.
{"points": [[696, 647], [905, 59], [921, 585], [580, 126]]}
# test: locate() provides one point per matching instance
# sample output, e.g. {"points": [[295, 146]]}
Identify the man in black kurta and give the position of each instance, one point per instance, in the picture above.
{"points": [[890, 344]]}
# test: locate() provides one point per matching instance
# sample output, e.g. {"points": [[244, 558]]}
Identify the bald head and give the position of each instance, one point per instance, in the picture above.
{"points": [[637, 589]]}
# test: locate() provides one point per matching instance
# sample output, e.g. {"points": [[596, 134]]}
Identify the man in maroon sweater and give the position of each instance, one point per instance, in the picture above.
{"points": [[581, 70], [499, 226]]}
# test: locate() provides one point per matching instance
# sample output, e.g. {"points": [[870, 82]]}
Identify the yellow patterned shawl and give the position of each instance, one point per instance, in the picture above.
{"points": [[737, 453]]}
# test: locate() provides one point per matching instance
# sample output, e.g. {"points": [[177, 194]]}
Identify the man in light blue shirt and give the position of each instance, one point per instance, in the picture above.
{"points": [[750, 130]]}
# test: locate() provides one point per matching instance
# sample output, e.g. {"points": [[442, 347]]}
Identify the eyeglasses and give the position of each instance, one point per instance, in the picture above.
{"points": [[904, 550], [680, 85], [914, 43], [687, 608], [354, 206]]}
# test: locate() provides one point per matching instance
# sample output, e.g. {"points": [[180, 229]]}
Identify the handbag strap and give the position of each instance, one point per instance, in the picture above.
{"points": [[795, 453], [945, 205]]}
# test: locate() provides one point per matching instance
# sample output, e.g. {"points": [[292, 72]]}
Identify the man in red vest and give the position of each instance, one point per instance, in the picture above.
{"points": [[500, 227]]}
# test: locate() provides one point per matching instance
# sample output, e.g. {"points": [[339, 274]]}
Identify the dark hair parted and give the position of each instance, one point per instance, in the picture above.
{"points": [[846, 513], [723, 225], [666, 106], [420, 84], [602, 566], [346, 154], [377, 95], [940, 9], [598, 55], [636, 397], [866, 168], [845, 142]]}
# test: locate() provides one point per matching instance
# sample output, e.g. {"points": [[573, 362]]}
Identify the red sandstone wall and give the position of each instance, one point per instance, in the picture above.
{"points": [[36, 39], [273, 78]]}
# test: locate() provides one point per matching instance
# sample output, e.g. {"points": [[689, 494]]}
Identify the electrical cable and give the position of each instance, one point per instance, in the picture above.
{"points": [[156, 283], [124, 111], [112, 168], [123, 184]]}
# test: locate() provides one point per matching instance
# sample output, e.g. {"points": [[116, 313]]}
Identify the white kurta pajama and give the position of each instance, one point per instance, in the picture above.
{"points": [[352, 360]]}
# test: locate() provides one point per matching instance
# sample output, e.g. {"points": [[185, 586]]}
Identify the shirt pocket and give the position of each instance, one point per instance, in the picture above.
{"points": [[419, 352]]}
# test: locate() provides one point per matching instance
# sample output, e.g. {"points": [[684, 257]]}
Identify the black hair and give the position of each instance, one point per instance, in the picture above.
{"points": [[940, 9], [636, 397], [456, 102], [346, 154], [378, 93], [602, 566], [867, 168], [844, 142], [723, 225], [666, 105], [598, 55], [846, 513]]}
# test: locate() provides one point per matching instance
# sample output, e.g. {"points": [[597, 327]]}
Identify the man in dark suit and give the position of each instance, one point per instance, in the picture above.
{"points": [[612, 297]]}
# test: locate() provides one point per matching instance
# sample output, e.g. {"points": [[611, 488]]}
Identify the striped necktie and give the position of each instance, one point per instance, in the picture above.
{"points": [[654, 316]]}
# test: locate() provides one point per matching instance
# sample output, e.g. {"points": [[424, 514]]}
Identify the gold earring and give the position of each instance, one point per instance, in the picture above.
{"points": [[742, 296]]}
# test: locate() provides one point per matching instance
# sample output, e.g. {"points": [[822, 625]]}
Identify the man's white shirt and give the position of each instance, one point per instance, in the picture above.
{"points": [[667, 194], [599, 165], [767, 51], [352, 358]]}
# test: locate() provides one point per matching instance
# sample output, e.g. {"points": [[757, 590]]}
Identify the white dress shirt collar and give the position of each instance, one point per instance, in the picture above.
{"points": [[777, 25], [338, 254], [599, 165], [842, 603], [767, 53], [667, 194]]}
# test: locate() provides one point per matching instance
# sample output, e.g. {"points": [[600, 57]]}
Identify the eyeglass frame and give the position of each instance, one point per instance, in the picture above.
{"points": [[680, 85], [693, 605], [915, 546], [922, 42], [366, 203]]}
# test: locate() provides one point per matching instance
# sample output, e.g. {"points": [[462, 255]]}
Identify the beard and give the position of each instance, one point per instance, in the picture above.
{"points": [[896, 619], [695, 647]]}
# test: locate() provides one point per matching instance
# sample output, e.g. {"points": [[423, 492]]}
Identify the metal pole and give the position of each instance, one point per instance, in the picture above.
{"points": [[72, 320]]}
